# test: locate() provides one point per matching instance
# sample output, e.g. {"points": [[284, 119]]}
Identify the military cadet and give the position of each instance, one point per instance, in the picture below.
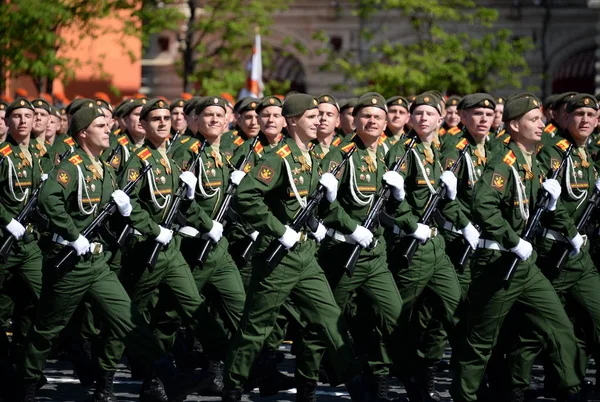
{"points": [[346, 119], [268, 198], [38, 131], [71, 198], [178, 123], [247, 127], [3, 126], [547, 107], [451, 129], [504, 199], [497, 126], [151, 200], [120, 125], [64, 122], [108, 111], [397, 117], [52, 127], [20, 174], [559, 116], [578, 281], [327, 137], [430, 267]]}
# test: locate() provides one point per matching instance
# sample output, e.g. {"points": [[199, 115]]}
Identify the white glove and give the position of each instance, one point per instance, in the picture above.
{"points": [[552, 186], [471, 235], [237, 176], [190, 181], [329, 181], [289, 238], [523, 250], [122, 201], [15, 229], [165, 236], [81, 245], [394, 180], [216, 232], [449, 180], [44, 177], [598, 184], [422, 233], [320, 233], [362, 236], [576, 242], [254, 235]]}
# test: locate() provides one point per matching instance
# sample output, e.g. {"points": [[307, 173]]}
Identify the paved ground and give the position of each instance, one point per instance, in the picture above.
{"points": [[63, 386]]}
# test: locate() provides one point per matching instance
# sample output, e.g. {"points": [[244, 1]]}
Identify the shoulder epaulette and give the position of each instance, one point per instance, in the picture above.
{"points": [[144, 154], [75, 160], [381, 139], [284, 151], [234, 132], [454, 131], [563, 145], [442, 131], [336, 142], [549, 128], [238, 141], [462, 144], [348, 147], [69, 141], [195, 146], [506, 140], [6, 150], [186, 139], [510, 158], [501, 133], [117, 131], [123, 140], [258, 148]]}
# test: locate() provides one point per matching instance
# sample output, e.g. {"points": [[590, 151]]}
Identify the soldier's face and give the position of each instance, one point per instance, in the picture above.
{"points": [[271, 121], [529, 128], [229, 117], [52, 127], [40, 120], [426, 120], [248, 122], [306, 125], [370, 122], [157, 125], [347, 120], [329, 119], [498, 115], [109, 117], [64, 124], [452, 117], [178, 119], [3, 126], [397, 118], [562, 117], [192, 122], [478, 121], [581, 123], [96, 137], [211, 121], [133, 124], [20, 122]]}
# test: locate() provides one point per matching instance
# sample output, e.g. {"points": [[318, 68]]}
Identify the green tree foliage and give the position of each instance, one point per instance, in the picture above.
{"points": [[456, 50]]}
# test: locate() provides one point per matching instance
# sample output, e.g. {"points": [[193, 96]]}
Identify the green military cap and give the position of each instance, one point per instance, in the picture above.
{"points": [[190, 105], [104, 104], [63, 111], [397, 101], [207, 101], [478, 100], [562, 99], [179, 102], [347, 103], [268, 101], [118, 112], [327, 98], [40, 103], [426, 98], [247, 104], [581, 100], [549, 101], [237, 105], [296, 104], [3, 105], [54, 111], [453, 100], [520, 104], [435, 93], [77, 104], [19, 103], [370, 99], [154, 104], [598, 96], [130, 106], [500, 100], [83, 118]]}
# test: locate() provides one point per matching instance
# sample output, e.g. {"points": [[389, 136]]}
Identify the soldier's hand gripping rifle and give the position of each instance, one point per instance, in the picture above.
{"points": [[206, 245], [276, 251], [62, 265], [372, 219], [169, 220], [25, 215], [432, 206], [540, 208]]}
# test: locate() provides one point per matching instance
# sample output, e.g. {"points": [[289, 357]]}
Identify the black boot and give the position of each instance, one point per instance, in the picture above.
{"points": [[517, 395], [307, 391], [28, 389], [215, 388], [430, 381], [271, 380], [80, 354], [232, 395], [358, 390], [380, 387], [153, 391], [178, 385], [104, 388]]}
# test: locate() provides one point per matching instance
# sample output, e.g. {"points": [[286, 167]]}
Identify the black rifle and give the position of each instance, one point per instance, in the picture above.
{"points": [[62, 266], [276, 251], [169, 220], [206, 245], [532, 224], [113, 153], [175, 137], [432, 207], [25, 214], [372, 219]]}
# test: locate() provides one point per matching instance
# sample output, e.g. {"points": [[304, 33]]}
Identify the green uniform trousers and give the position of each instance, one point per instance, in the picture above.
{"points": [[299, 277], [490, 302], [90, 278]]}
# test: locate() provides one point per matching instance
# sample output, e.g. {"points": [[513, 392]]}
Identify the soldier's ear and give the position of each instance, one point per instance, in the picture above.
{"points": [[514, 125]]}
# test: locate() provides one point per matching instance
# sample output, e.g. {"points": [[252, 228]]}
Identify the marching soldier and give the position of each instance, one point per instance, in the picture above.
{"points": [[3, 126], [247, 127], [346, 118], [38, 131], [52, 127], [397, 117], [327, 137]]}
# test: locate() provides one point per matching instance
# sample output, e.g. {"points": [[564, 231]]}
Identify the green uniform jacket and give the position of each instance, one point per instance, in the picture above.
{"points": [[260, 149], [62, 143], [187, 134], [451, 135], [317, 151], [119, 159], [231, 141], [388, 140]]}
